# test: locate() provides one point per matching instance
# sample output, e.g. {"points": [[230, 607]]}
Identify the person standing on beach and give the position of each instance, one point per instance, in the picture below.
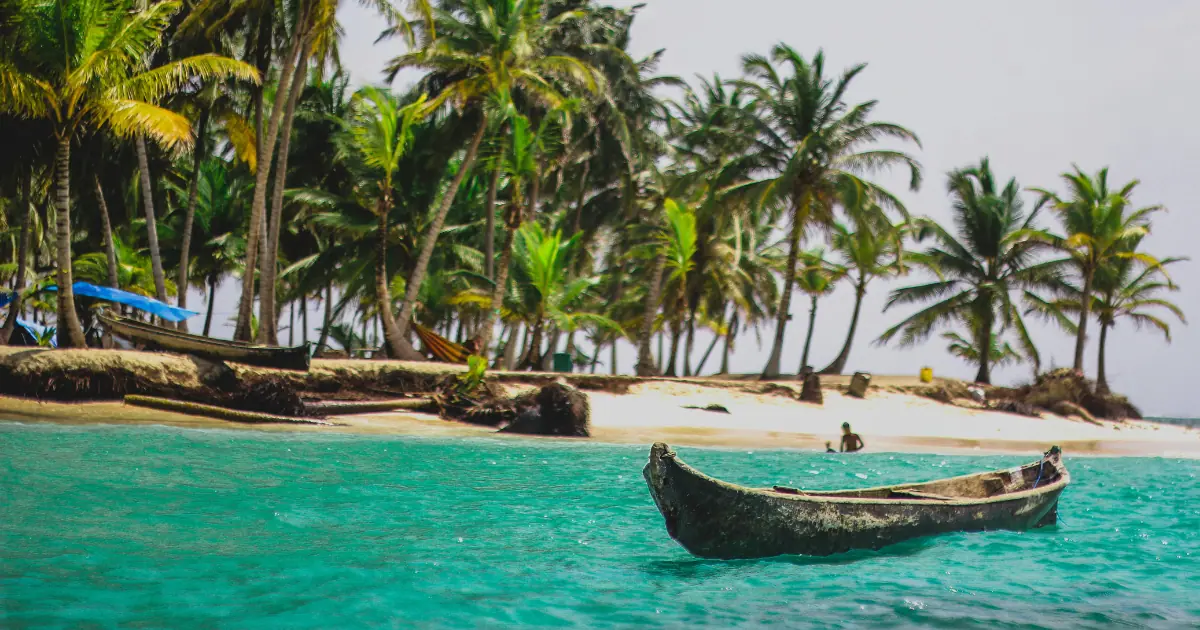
{"points": [[850, 441]]}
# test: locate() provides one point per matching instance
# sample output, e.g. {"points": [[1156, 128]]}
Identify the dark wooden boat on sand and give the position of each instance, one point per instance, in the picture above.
{"points": [[714, 519], [158, 338]]}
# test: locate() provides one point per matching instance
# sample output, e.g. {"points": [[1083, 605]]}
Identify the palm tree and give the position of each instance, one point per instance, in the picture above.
{"points": [[873, 250], [82, 63], [476, 50], [1000, 353], [1123, 295], [818, 277], [1124, 288], [1096, 223], [810, 143], [222, 196], [380, 131], [979, 269]]}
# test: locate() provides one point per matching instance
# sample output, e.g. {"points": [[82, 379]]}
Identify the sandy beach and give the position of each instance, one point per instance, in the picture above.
{"points": [[888, 421]]}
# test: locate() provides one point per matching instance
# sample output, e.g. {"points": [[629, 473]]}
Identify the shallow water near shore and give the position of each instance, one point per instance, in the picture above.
{"points": [[168, 527]]}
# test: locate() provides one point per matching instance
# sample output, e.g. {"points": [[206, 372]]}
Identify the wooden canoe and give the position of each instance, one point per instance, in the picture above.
{"points": [[715, 519], [159, 338]]}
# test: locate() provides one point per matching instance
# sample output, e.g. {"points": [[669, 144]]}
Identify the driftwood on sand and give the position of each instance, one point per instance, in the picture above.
{"points": [[213, 411]]}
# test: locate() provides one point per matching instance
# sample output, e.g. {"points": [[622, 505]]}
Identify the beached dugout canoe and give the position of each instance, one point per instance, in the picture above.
{"points": [[715, 519], [159, 338]]}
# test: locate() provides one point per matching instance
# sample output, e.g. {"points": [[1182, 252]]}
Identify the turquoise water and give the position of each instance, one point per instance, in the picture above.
{"points": [[164, 527]]}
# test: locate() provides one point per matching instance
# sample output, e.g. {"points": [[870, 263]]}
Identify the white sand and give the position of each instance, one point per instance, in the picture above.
{"points": [[885, 420]]}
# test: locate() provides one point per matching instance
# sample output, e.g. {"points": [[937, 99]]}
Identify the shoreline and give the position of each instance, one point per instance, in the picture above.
{"points": [[898, 414], [889, 422]]}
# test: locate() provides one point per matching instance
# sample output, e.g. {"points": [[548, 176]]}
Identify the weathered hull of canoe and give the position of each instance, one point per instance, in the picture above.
{"points": [[155, 337], [714, 519]]}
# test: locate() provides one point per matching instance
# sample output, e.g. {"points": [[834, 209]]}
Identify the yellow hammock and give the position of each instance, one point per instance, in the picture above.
{"points": [[441, 348]]}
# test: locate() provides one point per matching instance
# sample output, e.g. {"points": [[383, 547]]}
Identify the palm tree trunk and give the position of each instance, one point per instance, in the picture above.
{"points": [[785, 299], [292, 325], [716, 338], [587, 168], [510, 349], [812, 324], [327, 321], [160, 283], [258, 208], [596, 356], [70, 333], [391, 332], [689, 344], [489, 321], [645, 362], [729, 336], [1085, 310], [985, 349], [304, 319], [212, 299], [530, 361], [839, 364], [110, 248], [185, 241], [489, 237], [612, 357], [1101, 371], [14, 308], [431, 234], [268, 261], [676, 335]]}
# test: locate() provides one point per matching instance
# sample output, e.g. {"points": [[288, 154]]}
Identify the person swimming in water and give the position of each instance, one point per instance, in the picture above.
{"points": [[829, 447], [850, 440]]}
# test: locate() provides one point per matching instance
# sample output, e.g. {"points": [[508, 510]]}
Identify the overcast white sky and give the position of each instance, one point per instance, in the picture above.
{"points": [[1034, 84]]}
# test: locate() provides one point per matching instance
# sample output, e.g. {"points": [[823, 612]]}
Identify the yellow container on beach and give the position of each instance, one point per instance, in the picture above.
{"points": [[926, 375]]}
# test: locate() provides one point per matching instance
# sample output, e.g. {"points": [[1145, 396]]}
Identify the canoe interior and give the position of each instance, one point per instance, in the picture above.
{"points": [[985, 485]]}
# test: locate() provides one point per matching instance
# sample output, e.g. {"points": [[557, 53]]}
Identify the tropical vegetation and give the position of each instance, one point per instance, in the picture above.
{"points": [[536, 190]]}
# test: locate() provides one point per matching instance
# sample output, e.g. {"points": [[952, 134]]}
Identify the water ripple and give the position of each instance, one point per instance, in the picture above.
{"points": [[164, 527]]}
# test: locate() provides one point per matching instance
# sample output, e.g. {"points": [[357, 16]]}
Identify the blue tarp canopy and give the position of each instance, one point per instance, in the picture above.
{"points": [[140, 302], [5, 298]]}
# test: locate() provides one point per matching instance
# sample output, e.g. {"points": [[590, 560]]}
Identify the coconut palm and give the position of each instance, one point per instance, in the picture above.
{"points": [[817, 278], [222, 196], [1096, 220], [810, 142], [475, 50], [1124, 288], [967, 349], [980, 269], [82, 63], [873, 250], [379, 132], [1130, 289]]}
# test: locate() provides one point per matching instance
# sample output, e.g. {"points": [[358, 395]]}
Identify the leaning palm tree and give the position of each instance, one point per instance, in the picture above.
{"points": [[474, 51], [82, 64], [1097, 221], [980, 269], [379, 132], [810, 142], [817, 278], [873, 250]]}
